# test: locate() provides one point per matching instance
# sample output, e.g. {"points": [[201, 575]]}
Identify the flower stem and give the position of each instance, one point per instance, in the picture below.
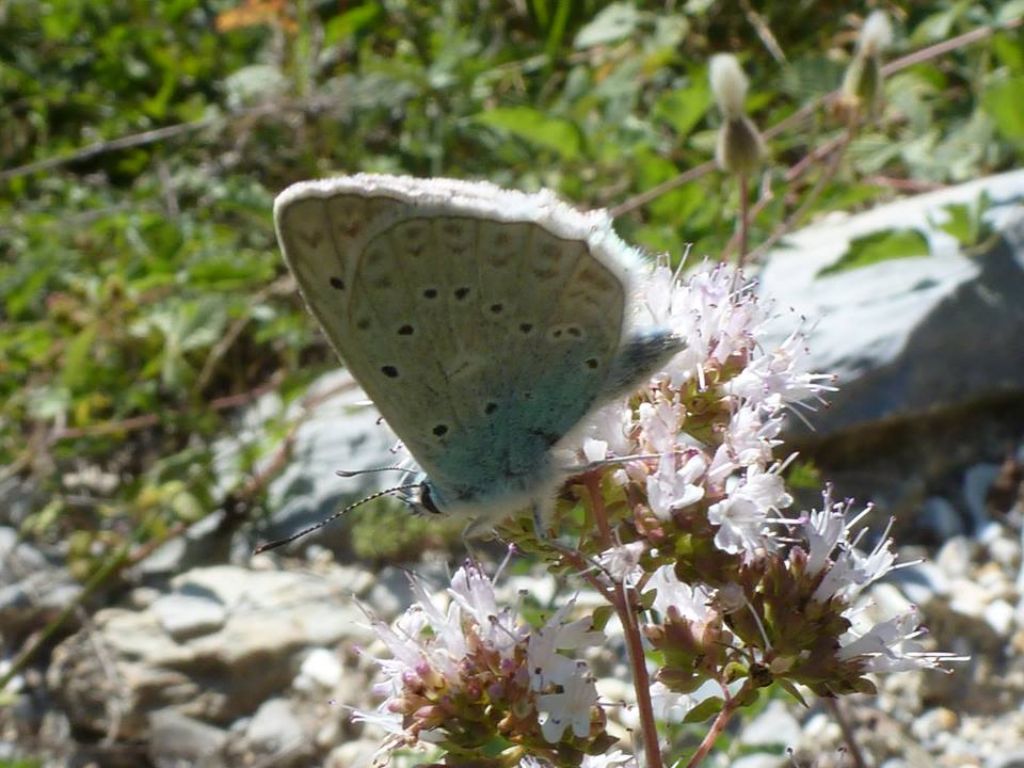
{"points": [[853, 749], [732, 703], [744, 233], [622, 603]]}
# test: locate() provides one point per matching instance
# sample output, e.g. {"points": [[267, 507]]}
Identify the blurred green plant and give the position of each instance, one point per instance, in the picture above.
{"points": [[143, 304]]}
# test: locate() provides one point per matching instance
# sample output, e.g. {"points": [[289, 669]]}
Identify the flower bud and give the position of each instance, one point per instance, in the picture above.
{"points": [[739, 148], [863, 79], [875, 35], [729, 85]]}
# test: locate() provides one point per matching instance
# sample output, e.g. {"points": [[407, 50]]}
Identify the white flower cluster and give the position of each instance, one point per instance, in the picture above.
{"points": [[441, 654], [753, 387], [889, 646]]}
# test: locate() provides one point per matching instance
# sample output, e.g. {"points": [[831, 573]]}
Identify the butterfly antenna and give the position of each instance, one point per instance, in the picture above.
{"points": [[281, 542], [357, 472]]}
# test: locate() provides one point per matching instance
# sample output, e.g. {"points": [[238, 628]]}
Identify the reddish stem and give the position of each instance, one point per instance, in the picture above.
{"points": [[623, 596], [717, 727]]}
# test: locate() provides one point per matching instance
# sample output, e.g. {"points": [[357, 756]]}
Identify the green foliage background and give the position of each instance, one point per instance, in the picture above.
{"points": [[143, 302]]}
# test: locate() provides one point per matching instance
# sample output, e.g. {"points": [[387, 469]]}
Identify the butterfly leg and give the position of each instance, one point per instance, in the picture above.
{"points": [[538, 522]]}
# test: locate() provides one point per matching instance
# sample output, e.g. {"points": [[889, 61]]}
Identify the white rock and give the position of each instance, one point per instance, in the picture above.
{"points": [[271, 620], [1000, 616], [275, 727], [907, 336], [185, 616], [969, 599], [352, 753], [321, 668], [955, 557]]}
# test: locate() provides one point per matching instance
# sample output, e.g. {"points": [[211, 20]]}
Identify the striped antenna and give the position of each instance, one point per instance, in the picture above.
{"points": [[281, 542]]}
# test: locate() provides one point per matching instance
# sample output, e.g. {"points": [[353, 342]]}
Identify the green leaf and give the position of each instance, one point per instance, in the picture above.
{"points": [[350, 22], [877, 247], [1003, 100], [939, 25], [1010, 11], [535, 127], [958, 223], [78, 358], [684, 107], [601, 615], [966, 222], [1008, 49], [704, 711], [614, 23], [792, 690]]}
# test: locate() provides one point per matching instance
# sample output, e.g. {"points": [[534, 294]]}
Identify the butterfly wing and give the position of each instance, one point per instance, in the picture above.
{"points": [[483, 323]]}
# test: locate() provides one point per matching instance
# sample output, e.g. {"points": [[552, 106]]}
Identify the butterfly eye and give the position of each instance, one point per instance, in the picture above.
{"points": [[390, 371], [426, 500], [337, 283], [441, 430]]}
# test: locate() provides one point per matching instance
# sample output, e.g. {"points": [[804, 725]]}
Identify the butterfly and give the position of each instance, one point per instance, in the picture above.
{"points": [[485, 324]]}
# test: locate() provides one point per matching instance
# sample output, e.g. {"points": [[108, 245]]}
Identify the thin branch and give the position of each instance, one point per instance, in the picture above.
{"points": [[794, 219], [764, 32], [135, 423], [911, 186], [149, 137], [111, 145]]}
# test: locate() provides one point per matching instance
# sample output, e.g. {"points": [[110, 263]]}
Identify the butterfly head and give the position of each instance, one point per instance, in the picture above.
{"points": [[420, 497]]}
